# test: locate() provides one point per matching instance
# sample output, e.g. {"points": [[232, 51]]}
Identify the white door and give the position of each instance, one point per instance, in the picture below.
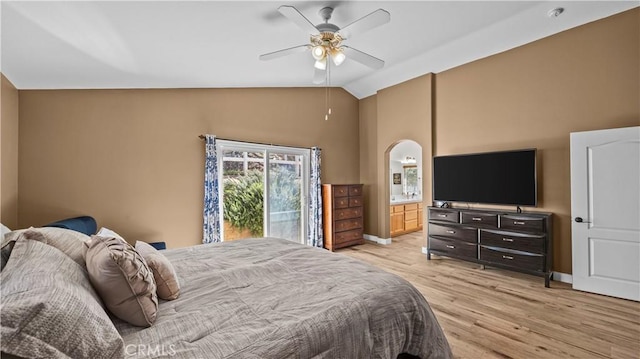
{"points": [[605, 211]]}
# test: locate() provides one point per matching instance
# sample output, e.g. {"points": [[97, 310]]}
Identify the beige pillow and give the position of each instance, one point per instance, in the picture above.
{"points": [[106, 232], [163, 271], [50, 309], [122, 279], [66, 240]]}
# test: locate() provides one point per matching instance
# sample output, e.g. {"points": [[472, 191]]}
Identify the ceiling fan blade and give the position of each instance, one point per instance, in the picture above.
{"points": [[296, 16], [319, 76], [283, 52], [365, 23], [363, 58]]}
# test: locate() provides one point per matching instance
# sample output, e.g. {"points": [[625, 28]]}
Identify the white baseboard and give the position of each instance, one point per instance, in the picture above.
{"points": [[385, 241], [563, 277]]}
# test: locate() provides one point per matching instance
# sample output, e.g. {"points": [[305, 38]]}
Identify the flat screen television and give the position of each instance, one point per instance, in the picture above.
{"points": [[506, 177]]}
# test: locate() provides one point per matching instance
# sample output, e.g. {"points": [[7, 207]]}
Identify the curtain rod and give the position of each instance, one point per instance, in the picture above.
{"points": [[202, 137]]}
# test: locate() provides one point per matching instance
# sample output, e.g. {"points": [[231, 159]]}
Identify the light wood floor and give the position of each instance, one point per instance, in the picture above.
{"points": [[493, 313]]}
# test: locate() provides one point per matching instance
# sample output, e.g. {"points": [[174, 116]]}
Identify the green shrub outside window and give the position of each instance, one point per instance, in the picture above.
{"points": [[244, 197]]}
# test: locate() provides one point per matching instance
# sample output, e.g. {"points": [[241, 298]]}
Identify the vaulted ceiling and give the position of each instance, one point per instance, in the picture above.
{"points": [[216, 44]]}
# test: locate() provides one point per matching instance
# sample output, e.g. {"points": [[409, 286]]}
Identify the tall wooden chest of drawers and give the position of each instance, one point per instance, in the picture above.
{"points": [[342, 213]]}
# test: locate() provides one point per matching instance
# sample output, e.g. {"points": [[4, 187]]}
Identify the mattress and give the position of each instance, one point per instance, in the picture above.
{"points": [[273, 298]]}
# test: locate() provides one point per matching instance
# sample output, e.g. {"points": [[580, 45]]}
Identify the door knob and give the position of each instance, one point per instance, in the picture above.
{"points": [[580, 220]]}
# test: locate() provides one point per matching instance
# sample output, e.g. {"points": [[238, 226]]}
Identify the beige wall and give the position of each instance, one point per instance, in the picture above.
{"points": [[368, 112], [9, 154], [585, 78], [403, 113], [133, 159]]}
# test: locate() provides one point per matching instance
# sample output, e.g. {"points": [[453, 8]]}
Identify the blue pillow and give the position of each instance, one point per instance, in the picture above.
{"points": [[82, 224]]}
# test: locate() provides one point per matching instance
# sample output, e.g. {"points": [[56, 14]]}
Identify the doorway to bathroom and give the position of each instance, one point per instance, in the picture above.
{"points": [[405, 171]]}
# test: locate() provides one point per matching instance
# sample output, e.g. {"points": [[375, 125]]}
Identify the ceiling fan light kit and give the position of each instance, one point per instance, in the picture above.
{"points": [[338, 57], [327, 44], [321, 64], [318, 52]]}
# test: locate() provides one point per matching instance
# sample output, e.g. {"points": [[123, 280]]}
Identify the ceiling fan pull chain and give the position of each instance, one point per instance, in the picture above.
{"points": [[326, 102], [328, 90]]}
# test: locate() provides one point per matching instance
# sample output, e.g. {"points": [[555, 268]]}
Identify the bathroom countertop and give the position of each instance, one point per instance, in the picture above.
{"points": [[405, 201]]}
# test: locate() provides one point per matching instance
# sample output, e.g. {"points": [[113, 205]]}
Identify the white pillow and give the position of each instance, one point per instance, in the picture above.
{"points": [[3, 230], [106, 232]]}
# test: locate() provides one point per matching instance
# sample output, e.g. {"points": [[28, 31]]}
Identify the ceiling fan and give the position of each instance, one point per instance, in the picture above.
{"points": [[326, 39]]}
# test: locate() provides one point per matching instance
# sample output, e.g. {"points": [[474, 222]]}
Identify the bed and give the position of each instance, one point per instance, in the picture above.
{"points": [[272, 298]]}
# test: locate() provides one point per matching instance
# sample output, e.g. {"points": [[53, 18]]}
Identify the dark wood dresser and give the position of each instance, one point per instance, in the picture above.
{"points": [[342, 212], [517, 241]]}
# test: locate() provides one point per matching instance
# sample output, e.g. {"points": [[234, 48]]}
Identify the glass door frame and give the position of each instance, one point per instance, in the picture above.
{"points": [[229, 145]]}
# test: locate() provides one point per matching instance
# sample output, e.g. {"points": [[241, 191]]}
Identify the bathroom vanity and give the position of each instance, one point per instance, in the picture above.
{"points": [[406, 216]]}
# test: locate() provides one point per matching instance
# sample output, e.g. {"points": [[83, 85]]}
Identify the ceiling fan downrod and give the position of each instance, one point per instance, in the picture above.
{"points": [[325, 13]]}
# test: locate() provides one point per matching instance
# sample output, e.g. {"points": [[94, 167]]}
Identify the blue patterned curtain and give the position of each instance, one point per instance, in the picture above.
{"points": [[315, 236], [211, 213]]}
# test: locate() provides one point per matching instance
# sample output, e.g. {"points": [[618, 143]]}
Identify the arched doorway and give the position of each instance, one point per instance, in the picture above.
{"points": [[405, 178]]}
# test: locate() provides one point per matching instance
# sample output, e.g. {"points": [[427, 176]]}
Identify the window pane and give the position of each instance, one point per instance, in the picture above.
{"points": [[243, 202], [237, 154], [284, 197]]}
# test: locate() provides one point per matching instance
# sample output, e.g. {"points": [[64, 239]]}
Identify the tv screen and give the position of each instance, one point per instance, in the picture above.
{"points": [[507, 177]]}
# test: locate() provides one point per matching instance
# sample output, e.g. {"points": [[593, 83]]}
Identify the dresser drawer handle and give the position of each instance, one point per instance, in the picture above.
{"points": [[442, 215], [476, 219], [507, 239], [451, 232], [507, 257], [519, 223], [452, 247]]}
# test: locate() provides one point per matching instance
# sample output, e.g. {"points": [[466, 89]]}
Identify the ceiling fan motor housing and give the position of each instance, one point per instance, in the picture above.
{"points": [[327, 27]]}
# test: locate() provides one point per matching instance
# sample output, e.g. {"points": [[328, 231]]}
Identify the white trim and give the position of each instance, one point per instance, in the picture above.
{"points": [[424, 250], [563, 277], [384, 241]]}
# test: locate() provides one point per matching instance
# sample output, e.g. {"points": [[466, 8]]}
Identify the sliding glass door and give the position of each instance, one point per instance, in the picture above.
{"points": [[264, 191]]}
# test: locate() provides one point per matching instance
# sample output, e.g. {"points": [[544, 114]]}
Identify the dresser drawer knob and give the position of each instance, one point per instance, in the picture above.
{"points": [[452, 247], [507, 239], [442, 215], [507, 257], [476, 219], [451, 232], [518, 223]]}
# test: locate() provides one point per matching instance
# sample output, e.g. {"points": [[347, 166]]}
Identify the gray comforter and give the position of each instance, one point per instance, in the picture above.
{"points": [[271, 298]]}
